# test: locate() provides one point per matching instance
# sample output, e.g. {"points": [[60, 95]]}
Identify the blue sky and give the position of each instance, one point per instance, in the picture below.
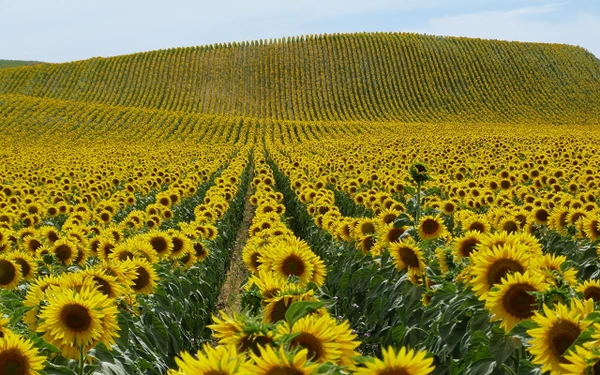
{"points": [[65, 30]]}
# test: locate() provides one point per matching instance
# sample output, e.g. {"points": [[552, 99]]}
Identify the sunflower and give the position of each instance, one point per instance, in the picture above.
{"points": [[226, 327], [512, 302], [270, 362], [591, 228], [405, 362], [431, 227], [32, 243], [106, 284], [293, 257], [491, 266], [181, 245], [551, 266], [73, 320], [201, 251], [146, 277], [364, 226], [187, 260], [315, 334], [365, 243], [106, 246], [251, 255], [590, 290], [125, 272], [267, 283], [65, 251], [407, 254], [27, 263], [558, 330], [464, 246], [245, 333], [448, 207], [276, 307], [10, 273], [4, 330], [558, 218], [509, 225], [19, 356], [222, 360], [476, 223], [581, 361], [387, 234], [160, 241], [387, 216], [122, 253]]}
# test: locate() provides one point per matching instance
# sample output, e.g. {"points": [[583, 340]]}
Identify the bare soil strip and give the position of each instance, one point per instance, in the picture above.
{"points": [[229, 298]]}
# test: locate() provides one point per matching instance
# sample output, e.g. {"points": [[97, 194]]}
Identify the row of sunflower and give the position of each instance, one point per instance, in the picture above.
{"points": [[520, 277], [284, 327], [78, 288]]}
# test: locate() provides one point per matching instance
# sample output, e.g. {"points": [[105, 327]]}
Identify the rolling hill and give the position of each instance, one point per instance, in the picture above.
{"points": [[343, 77], [15, 63]]}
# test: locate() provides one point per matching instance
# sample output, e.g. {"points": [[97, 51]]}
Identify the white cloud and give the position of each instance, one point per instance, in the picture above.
{"points": [[522, 24]]}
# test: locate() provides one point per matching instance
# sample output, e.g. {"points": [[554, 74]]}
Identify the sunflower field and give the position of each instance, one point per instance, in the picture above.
{"points": [[359, 246]]}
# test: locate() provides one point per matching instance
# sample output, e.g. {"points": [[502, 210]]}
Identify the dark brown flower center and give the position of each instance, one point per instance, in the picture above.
{"points": [[501, 268], [285, 370], [25, 267], [311, 343], [518, 302], [177, 244], [592, 292], [76, 317], [510, 227], [63, 252], [293, 265], [159, 244], [408, 256], [367, 228], [430, 226], [8, 272], [394, 371], [254, 260], [480, 227], [252, 341], [103, 285], [467, 246], [279, 309], [199, 250], [13, 362], [561, 336], [142, 280]]}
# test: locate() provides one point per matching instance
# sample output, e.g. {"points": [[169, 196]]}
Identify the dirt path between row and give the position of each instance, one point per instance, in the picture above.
{"points": [[229, 299]]}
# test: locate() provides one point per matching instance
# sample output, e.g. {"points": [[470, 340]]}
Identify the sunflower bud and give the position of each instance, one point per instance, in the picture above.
{"points": [[419, 172]]}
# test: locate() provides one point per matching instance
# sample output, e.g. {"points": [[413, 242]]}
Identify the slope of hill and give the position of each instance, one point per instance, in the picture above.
{"points": [[367, 76], [15, 63]]}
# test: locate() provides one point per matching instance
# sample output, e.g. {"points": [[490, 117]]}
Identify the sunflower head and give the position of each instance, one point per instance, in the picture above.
{"points": [[19, 356], [558, 328], [405, 362], [431, 227], [10, 273]]}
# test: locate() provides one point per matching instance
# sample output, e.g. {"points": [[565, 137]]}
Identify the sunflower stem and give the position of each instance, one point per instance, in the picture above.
{"points": [[418, 213], [81, 360]]}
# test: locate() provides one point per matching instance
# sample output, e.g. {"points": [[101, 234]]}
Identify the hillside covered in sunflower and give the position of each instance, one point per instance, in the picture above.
{"points": [[373, 203]]}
